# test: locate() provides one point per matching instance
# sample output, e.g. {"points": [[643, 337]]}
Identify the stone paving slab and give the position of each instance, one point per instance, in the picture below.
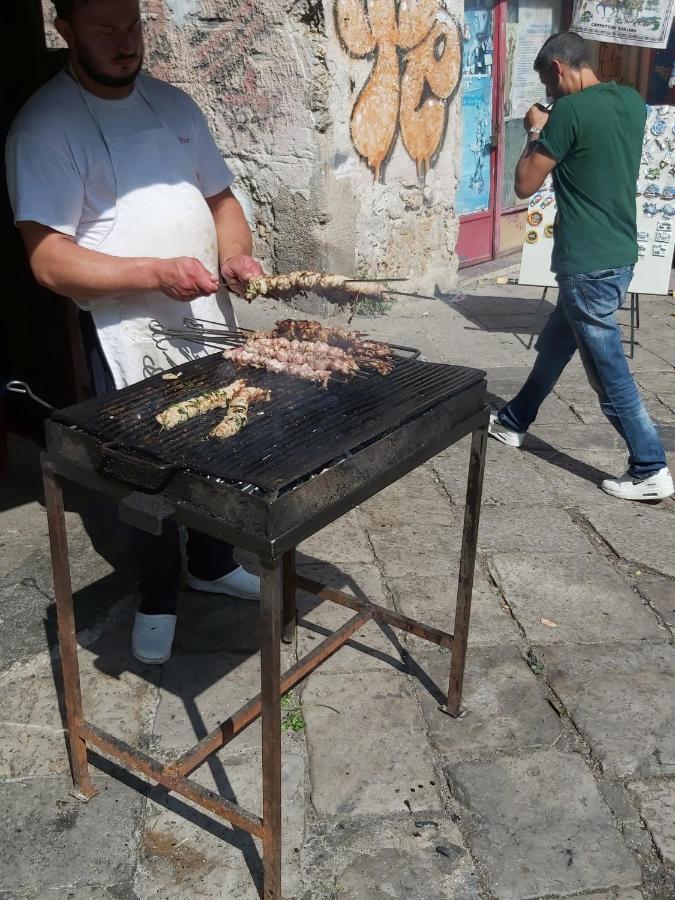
{"points": [[417, 499], [668, 399], [600, 436], [118, 694], [582, 595], [186, 853], [660, 591], [617, 894], [370, 648], [590, 413], [367, 745], [213, 623], [23, 532], [397, 859], [505, 709], [27, 611], [416, 549], [540, 529], [539, 827], [197, 692], [656, 800], [511, 477], [621, 697], [52, 842], [343, 541], [431, 600], [638, 533], [659, 382], [575, 477]]}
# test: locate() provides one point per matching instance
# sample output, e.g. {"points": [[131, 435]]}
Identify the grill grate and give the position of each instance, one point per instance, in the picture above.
{"points": [[302, 430]]}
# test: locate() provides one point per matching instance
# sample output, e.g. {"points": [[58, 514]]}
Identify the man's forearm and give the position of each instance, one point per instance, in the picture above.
{"points": [[59, 264], [234, 234]]}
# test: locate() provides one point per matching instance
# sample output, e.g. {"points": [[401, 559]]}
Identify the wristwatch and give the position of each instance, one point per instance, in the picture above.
{"points": [[534, 130]]}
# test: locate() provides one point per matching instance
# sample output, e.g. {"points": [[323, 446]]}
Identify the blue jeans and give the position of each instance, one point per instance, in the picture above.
{"points": [[584, 319]]}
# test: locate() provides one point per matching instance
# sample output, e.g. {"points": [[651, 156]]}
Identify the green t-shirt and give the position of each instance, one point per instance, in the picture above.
{"points": [[596, 138]]}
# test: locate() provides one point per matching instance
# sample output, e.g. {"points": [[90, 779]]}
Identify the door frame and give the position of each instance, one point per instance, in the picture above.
{"points": [[468, 236]]}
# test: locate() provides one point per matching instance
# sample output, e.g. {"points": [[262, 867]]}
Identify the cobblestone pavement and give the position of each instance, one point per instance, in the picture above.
{"points": [[559, 779]]}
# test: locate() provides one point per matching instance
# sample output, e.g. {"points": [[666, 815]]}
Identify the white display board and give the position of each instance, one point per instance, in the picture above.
{"points": [[655, 214]]}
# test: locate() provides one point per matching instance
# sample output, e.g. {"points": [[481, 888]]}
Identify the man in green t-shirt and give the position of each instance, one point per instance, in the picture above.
{"points": [[591, 141]]}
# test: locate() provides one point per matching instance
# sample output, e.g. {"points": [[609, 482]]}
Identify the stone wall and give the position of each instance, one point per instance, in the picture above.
{"points": [[340, 119]]}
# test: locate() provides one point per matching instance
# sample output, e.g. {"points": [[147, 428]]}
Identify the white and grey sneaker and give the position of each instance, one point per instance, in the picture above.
{"points": [[656, 487], [504, 434]]}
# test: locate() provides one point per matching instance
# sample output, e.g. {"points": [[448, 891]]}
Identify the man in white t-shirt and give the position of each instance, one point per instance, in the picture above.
{"points": [[124, 204]]}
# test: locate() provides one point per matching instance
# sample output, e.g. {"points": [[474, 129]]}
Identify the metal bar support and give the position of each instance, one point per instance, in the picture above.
{"points": [[63, 593], [251, 711], [270, 690], [474, 493], [288, 591], [378, 613]]}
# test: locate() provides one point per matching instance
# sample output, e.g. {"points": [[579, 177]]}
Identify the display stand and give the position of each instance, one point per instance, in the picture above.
{"points": [[655, 214]]}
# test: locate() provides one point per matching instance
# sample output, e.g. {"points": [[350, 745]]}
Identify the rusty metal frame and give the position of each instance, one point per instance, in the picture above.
{"points": [[277, 623]]}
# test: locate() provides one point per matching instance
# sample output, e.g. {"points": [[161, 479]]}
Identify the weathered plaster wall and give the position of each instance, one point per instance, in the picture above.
{"points": [[279, 80]]}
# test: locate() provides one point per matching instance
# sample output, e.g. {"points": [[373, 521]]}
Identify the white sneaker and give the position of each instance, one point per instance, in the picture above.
{"points": [[504, 434], [238, 583], [152, 638], [656, 487]]}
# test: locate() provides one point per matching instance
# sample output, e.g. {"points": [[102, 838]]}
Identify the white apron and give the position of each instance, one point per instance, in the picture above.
{"points": [[160, 212]]}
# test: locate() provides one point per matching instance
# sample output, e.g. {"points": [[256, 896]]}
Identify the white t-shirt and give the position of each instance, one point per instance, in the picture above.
{"points": [[58, 168]]}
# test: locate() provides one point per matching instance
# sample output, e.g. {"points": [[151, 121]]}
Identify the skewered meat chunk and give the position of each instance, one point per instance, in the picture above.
{"points": [[365, 352], [237, 412], [336, 336], [313, 361], [188, 409], [339, 289]]}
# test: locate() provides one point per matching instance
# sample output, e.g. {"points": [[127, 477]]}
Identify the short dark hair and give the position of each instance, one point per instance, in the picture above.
{"points": [[568, 47], [65, 8]]}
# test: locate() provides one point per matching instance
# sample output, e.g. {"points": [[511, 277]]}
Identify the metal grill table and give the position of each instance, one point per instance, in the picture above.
{"points": [[305, 459]]}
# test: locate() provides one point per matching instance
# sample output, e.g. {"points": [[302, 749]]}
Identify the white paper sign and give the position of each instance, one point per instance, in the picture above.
{"points": [[655, 214], [640, 23]]}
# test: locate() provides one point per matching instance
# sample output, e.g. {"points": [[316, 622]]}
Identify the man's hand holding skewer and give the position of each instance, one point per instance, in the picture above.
{"points": [[237, 271], [535, 118]]}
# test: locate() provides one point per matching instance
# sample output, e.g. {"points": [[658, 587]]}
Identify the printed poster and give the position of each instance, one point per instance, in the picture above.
{"points": [[535, 25], [473, 189], [640, 23], [655, 198]]}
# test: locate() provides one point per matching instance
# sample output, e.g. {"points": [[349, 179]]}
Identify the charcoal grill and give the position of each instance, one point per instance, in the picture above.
{"points": [[305, 459]]}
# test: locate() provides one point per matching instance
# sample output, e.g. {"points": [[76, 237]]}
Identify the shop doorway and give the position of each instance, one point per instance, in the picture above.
{"points": [[501, 41]]}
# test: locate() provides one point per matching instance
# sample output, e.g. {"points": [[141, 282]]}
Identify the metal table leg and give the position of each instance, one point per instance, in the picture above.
{"points": [[63, 593], [290, 611], [270, 684], [536, 319], [474, 491]]}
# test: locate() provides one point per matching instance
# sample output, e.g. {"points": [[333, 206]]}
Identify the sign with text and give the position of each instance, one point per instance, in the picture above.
{"points": [[641, 23]]}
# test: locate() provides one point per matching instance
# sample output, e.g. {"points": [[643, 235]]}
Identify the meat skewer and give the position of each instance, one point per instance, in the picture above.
{"points": [[188, 409], [237, 412], [312, 361], [368, 354], [339, 289], [336, 336]]}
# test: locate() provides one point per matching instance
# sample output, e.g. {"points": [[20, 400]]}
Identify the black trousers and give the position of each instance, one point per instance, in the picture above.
{"points": [[157, 559]]}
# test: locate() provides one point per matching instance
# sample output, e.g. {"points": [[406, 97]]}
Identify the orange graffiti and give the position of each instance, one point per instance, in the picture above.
{"points": [[417, 67]]}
